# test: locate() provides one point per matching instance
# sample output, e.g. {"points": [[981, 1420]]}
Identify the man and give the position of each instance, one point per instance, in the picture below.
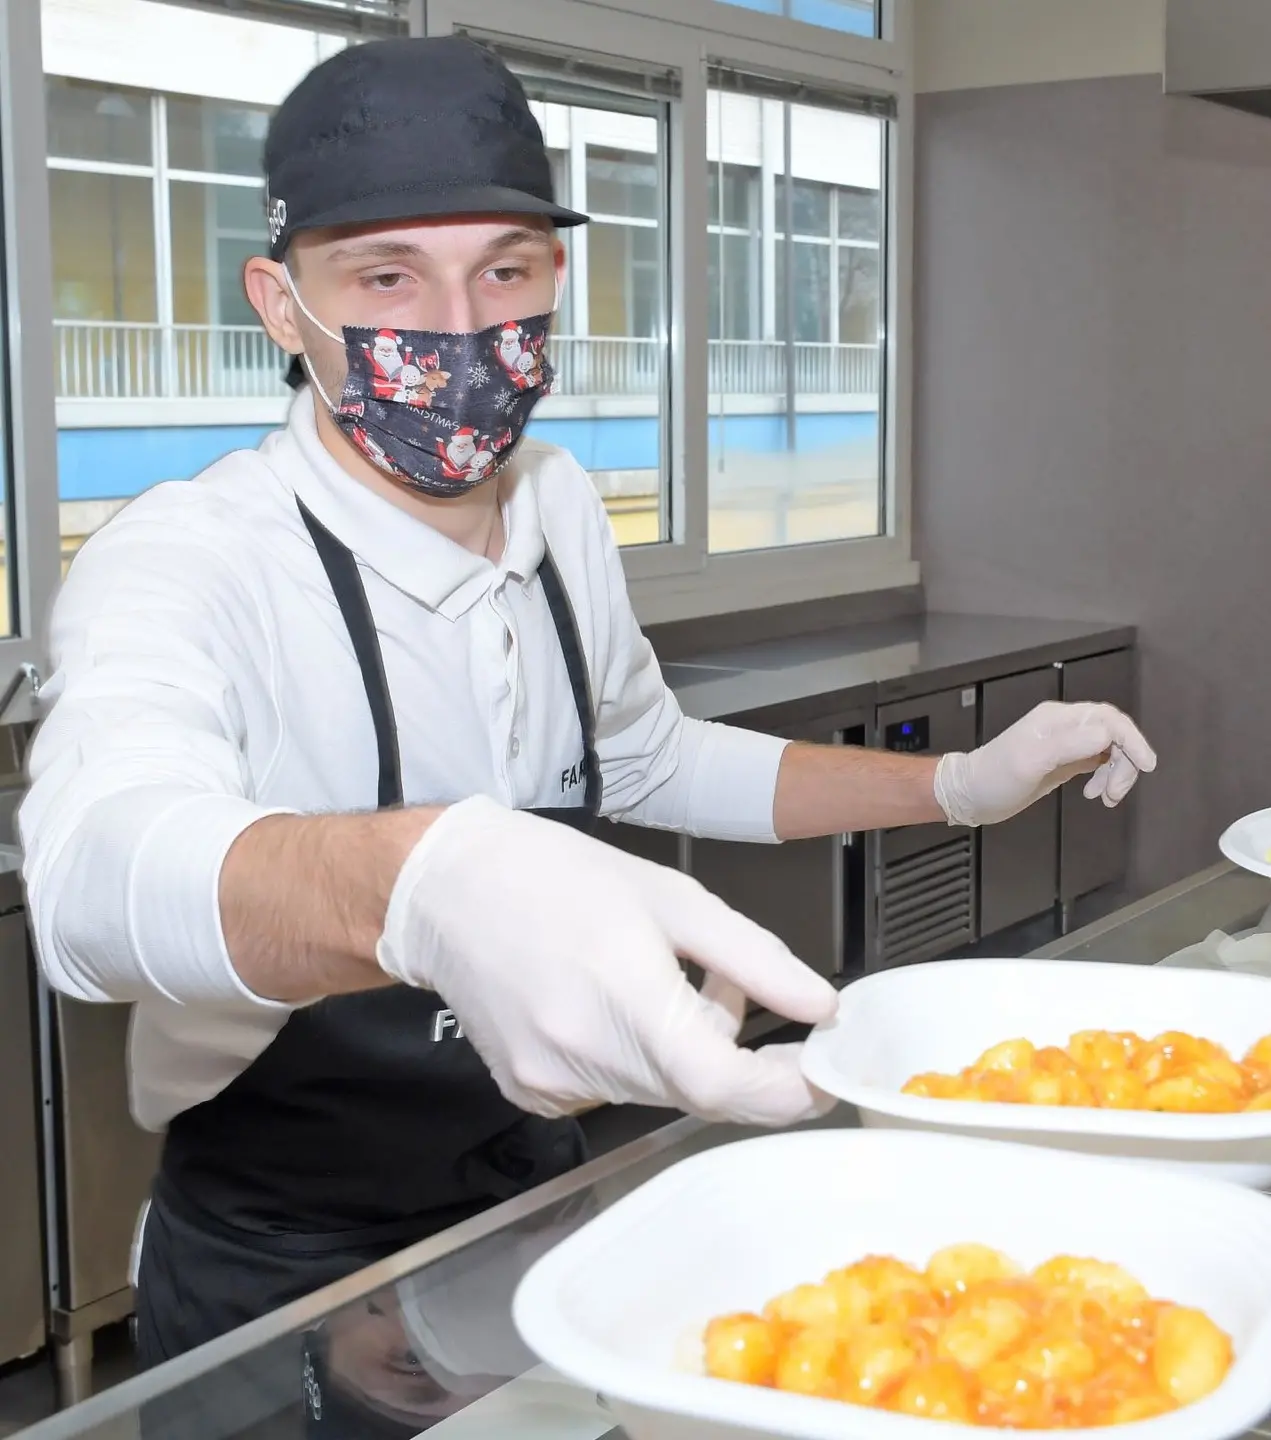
{"points": [[302, 704]]}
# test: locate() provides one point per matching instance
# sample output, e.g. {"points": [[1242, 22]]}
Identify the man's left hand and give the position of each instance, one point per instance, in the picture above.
{"points": [[1052, 744]]}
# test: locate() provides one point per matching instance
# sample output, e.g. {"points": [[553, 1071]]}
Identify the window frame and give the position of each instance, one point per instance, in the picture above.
{"points": [[629, 38], [33, 546], [670, 581], [888, 50], [680, 579]]}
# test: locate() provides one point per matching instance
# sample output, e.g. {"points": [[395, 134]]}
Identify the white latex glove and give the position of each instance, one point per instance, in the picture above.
{"points": [[557, 953], [1050, 745]]}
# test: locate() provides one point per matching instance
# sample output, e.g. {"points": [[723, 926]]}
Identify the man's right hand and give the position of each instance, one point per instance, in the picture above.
{"points": [[560, 955]]}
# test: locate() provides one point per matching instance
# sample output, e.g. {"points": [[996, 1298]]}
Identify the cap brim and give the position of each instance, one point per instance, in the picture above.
{"points": [[431, 202]]}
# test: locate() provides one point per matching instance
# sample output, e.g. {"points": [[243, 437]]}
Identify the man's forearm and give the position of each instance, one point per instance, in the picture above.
{"points": [[833, 789], [303, 899]]}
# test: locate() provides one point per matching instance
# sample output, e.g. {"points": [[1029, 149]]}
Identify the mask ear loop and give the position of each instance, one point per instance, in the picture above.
{"points": [[326, 330]]}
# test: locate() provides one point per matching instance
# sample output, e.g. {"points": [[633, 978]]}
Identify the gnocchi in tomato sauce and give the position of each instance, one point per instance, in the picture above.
{"points": [[975, 1339]]}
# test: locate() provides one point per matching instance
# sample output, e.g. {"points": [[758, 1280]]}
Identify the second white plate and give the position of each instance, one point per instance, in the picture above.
{"points": [[1247, 843]]}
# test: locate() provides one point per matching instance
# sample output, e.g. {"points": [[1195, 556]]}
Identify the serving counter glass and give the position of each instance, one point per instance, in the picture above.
{"points": [[424, 1341]]}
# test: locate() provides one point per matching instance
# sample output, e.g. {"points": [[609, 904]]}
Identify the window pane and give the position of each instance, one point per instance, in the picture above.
{"points": [[858, 217], [241, 207], [854, 17], [610, 341], [858, 295], [795, 438], [103, 252], [218, 348], [735, 300], [811, 296], [215, 135], [811, 205], [623, 281], [621, 183], [740, 187], [154, 338], [97, 122]]}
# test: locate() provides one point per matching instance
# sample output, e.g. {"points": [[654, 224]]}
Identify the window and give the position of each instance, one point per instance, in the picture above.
{"points": [[216, 137], [157, 199], [795, 320], [97, 122], [103, 271], [733, 396], [609, 346], [854, 17]]}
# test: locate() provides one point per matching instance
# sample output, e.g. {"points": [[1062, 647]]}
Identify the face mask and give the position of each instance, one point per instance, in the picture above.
{"points": [[441, 411]]}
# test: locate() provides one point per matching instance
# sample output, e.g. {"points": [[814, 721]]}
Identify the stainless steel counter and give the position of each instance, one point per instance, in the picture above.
{"points": [[252, 1382], [881, 662]]}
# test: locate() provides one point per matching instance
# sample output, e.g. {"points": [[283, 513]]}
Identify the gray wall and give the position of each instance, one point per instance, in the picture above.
{"points": [[1093, 406]]}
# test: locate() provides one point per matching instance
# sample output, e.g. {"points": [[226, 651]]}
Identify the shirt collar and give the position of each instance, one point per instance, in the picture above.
{"points": [[405, 551]]}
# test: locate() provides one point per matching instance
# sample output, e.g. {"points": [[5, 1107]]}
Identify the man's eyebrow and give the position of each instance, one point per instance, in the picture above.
{"points": [[407, 250], [376, 250], [519, 235]]}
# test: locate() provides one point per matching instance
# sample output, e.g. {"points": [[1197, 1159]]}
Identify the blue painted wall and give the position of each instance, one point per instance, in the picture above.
{"points": [[113, 464], [116, 463]]}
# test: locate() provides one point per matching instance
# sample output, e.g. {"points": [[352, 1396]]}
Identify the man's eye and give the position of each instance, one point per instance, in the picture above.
{"points": [[389, 280], [507, 274]]}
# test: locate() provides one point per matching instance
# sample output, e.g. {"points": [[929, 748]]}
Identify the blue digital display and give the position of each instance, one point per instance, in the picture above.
{"points": [[912, 737]]}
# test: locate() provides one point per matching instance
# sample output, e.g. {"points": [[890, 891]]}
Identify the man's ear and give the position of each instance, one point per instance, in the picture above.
{"points": [[269, 295], [559, 261]]}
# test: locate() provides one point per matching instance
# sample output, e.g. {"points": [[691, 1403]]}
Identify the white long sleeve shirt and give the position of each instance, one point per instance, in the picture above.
{"points": [[204, 678]]}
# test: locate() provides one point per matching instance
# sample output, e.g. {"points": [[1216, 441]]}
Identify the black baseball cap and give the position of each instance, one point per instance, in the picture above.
{"points": [[406, 129]]}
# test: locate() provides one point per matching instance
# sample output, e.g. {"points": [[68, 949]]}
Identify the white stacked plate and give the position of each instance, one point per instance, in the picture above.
{"points": [[1247, 842], [941, 1016], [619, 1307]]}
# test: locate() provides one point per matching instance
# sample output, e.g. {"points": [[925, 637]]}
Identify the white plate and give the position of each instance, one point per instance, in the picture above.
{"points": [[1247, 843], [612, 1305], [940, 1016]]}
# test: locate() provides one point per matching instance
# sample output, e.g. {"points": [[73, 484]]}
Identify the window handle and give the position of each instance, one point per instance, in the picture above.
{"points": [[26, 674]]}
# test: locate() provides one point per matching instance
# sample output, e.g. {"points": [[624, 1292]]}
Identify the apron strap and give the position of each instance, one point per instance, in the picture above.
{"points": [[572, 649], [350, 595]]}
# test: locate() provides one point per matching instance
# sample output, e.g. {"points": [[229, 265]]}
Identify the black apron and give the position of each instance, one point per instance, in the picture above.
{"points": [[368, 1123]]}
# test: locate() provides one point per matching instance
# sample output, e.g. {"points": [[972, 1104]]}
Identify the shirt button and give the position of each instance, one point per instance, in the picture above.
{"points": [[514, 749]]}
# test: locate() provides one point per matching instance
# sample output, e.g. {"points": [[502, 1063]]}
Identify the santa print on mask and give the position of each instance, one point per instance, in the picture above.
{"points": [[397, 373], [520, 358], [466, 455], [387, 359]]}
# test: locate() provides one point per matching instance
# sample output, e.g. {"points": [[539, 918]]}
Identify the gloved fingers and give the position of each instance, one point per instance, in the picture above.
{"points": [[1129, 742], [1097, 784], [1113, 780], [700, 927], [1122, 774], [716, 1080], [1077, 733], [793, 1053], [723, 1004]]}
